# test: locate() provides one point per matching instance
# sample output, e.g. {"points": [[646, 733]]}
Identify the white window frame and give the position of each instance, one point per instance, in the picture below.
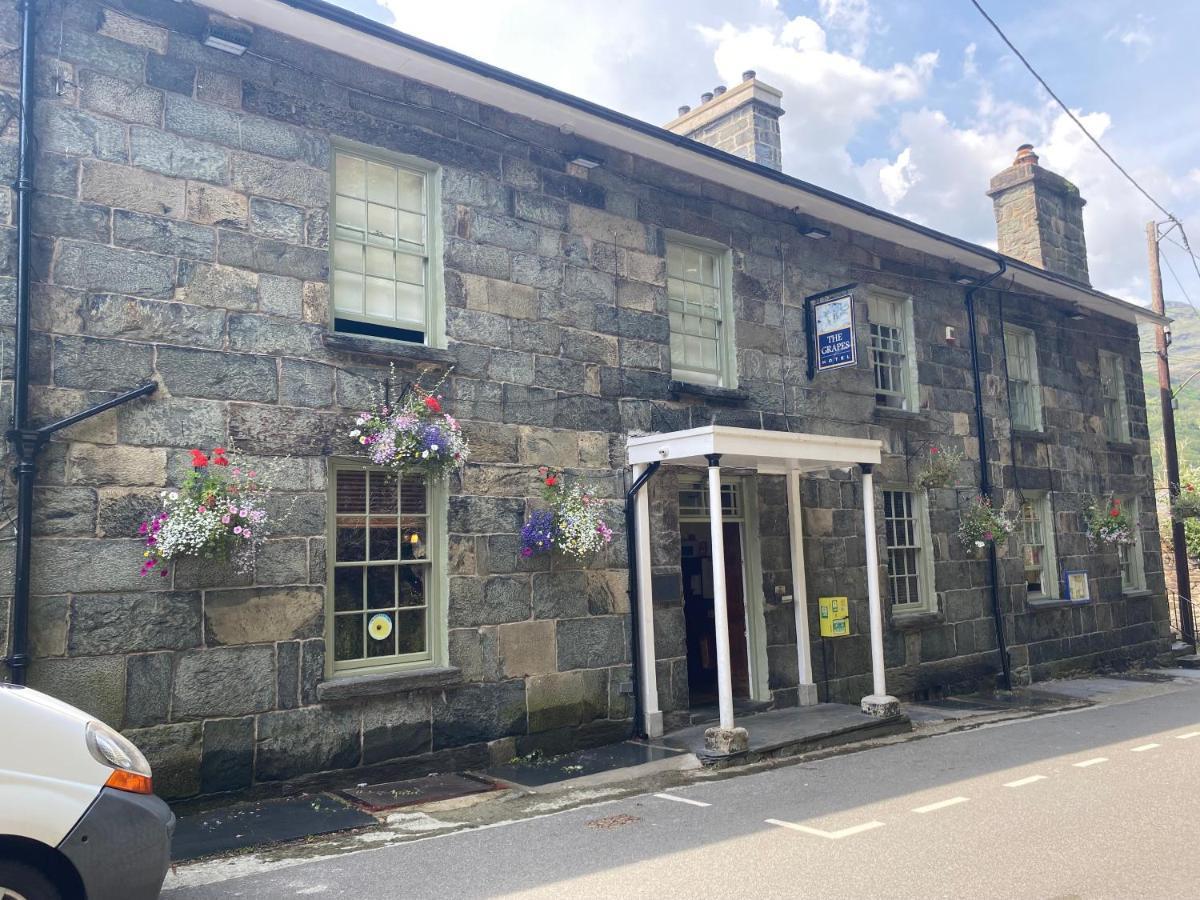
{"points": [[725, 375], [1114, 397], [1131, 556], [1024, 343], [925, 569], [437, 640], [1042, 504], [343, 322], [907, 396]]}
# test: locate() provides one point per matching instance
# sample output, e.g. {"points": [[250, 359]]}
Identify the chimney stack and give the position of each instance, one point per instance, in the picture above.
{"points": [[1039, 217], [742, 120]]}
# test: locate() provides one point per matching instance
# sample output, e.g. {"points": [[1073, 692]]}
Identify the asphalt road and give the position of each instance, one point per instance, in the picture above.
{"points": [[1095, 803]]}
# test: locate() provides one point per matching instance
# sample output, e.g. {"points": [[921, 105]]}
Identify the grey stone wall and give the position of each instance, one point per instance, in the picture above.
{"points": [[181, 231], [750, 131], [1039, 219]]}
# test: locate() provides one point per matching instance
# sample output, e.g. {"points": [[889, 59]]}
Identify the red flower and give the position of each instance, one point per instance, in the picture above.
{"points": [[199, 460], [431, 403], [1114, 512], [219, 451], [220, 461], [933, 449], [551, 481]]}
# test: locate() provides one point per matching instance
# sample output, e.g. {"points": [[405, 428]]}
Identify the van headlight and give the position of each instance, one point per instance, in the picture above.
{"points": [[110, 748]]}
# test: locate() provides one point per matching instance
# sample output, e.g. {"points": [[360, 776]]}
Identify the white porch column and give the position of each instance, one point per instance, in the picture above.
{"points": [[878, 703], [808, 689], [652, 718], [724, 676]]}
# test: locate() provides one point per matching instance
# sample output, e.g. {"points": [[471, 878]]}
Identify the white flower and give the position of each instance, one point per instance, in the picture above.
{"points": [[174, 495], [433, 448], [355, 433], [424, 454]]}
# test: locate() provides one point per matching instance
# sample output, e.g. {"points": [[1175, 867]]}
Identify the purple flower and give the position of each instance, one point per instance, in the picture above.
{"points": [[538, 533], [431, 438]]}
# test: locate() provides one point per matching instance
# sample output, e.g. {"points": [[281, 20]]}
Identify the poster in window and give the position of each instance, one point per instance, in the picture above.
{"points": [[833, 318], [1077, 586]]}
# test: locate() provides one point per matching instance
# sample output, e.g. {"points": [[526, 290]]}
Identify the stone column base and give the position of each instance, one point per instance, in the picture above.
{"points": [[881, 706], [654, 724], [726, 740], [808, 695]]}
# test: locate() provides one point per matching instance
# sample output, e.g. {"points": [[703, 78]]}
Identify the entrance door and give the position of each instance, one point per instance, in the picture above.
{"points": [[699, 613]]}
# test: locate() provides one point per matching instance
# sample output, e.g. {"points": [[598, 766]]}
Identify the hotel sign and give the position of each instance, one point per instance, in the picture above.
{"points": [[832, 343]]}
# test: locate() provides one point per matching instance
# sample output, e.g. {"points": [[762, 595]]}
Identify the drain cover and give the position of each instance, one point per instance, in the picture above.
{"points": [[392, 794]]}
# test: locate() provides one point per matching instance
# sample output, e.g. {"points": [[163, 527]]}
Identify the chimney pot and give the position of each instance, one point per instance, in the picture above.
{"points": [[742, 120], [719, 90], [706, 96], [1025, 156], [748, 75], [684, 110]]}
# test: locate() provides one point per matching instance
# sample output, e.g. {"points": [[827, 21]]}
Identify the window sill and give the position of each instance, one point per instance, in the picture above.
{"points": [[1028, 434], [729, 396], [1041, 603], [378, 347], [1134, 593], [906, 621], [898, 415], [350, 687]]}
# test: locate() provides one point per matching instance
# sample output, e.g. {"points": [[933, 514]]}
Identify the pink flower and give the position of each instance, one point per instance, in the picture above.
{"points": [[244, 512], [142, 529], [202, 509], [246, 532], [237, 529], [224, 520]]}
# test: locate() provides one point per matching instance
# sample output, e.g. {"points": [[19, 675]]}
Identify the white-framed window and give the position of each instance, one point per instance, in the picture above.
{"points": [[1024, 383], [909, 557], [1112, 392], [700, 304], [1036, 532], [1133, 569], [386, 598], [693, 499], [385, 246], [893, 357]]}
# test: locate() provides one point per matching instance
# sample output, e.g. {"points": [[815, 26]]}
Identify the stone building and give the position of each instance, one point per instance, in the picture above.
{"points": [[262, 214]]}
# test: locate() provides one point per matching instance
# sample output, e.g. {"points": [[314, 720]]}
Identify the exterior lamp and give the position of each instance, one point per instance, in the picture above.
{"points": [[227, 36], [817, 234], [587, 162]]}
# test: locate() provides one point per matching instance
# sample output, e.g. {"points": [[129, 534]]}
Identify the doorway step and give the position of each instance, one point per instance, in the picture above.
{"points": [[706, 713]]}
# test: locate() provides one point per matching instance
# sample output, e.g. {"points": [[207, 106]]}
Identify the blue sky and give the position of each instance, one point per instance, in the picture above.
{"points": [[910, 105]]}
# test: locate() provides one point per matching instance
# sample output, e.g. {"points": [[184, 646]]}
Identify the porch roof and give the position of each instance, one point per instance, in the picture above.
{"points": [[767, 452]]}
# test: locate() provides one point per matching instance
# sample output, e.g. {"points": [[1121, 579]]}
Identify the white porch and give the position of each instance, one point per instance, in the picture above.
{"points": [[768, 453]]}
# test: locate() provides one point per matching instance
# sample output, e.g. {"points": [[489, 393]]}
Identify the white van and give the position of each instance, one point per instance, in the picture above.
{"points": [[78, 817]]}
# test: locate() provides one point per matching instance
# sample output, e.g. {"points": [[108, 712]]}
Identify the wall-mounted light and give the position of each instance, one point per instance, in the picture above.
{"points": [[227, 36], [817, 234], [587, 162], [963, 279]]}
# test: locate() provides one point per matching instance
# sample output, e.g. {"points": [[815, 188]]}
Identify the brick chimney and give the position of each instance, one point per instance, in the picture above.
{"points": [[1039, 217], [742, 120]]}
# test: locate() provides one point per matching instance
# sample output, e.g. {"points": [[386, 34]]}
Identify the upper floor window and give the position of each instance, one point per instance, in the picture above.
{"points": [[385, 233], [909, 561], [1036, 532], [892, 345], [1133, 570], [1024, 383], [1112, 391], [700, 305], [385, 606]]}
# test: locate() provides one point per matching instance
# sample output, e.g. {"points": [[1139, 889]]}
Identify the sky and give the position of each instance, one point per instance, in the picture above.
{"points": [[909, 105]]}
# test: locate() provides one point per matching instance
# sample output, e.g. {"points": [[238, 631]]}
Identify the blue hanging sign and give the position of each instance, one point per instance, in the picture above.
{"points": [[833, 328]]}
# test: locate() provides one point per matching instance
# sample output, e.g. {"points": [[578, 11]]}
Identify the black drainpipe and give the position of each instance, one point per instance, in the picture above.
{"points": [[985, 478], [28, 441], [634, 600]]}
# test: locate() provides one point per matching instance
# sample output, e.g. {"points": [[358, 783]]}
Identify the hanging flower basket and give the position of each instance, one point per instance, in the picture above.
{"points": [[414, 436], [1108, 524], [216, 514], [1187, 504], [982, 524], [941, 468], [573, 524]]}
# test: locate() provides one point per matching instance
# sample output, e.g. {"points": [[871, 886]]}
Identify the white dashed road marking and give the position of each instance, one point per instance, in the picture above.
{"points": [[941, 804], [1184, 737], [1143, 748], [828, 835], [681, 799], [1021, 782], [1090, 762]]}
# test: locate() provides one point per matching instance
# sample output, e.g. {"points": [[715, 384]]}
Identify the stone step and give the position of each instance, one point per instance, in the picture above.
{"points": [[1191, 661], [699, 715]]}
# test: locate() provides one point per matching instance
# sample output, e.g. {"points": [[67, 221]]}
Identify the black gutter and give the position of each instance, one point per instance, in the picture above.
{"points": [[635, 601], [27, 441], [985, 477], [362, 24]]}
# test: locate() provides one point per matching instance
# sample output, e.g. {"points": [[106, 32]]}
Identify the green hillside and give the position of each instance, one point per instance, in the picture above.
{"points": [[1184, 355]]}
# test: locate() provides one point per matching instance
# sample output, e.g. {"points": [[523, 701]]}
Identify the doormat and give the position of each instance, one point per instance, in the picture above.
{"points": [[391, 794], [537, 769], [265, 822]]}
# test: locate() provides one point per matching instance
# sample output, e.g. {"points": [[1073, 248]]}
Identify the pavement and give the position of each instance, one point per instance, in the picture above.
{"points": [[1085, 801]]}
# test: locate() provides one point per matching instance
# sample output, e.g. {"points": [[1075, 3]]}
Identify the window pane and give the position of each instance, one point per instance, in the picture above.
{"points": [[381, 298], [410, 268], [381, 225], [383, 496], [351, 491], [347, 589], [381, 641], [412, 495], [411, 190], [410, 227], [350, 175], [409, 303], [347, 292], [381, 184], [381, 262], [412, 585], [350, 215], [410, 631], [351, 540], [347, 256], [383, 538], [381, 587], [348, 637], [414, 539]]}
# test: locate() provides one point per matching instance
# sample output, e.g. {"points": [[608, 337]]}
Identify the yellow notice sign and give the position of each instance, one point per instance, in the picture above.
{"points": [[835, 616]]}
